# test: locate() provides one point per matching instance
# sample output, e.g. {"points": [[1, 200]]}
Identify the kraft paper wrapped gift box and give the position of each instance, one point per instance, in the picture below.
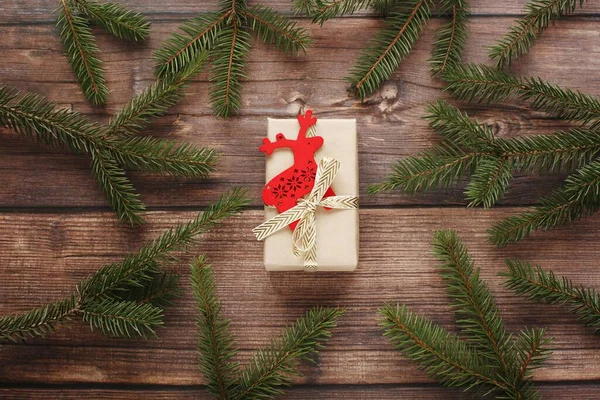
{"points": [[337, 230]]}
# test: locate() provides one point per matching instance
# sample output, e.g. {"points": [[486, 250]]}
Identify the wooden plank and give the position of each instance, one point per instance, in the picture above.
{"points": [[548, 392], [44, 255], [379, 392], [24, 11], [389, 127], [33, 61]]}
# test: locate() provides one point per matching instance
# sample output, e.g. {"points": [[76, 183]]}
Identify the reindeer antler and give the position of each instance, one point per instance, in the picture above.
{"points": [[306, 120], [268, 146]]}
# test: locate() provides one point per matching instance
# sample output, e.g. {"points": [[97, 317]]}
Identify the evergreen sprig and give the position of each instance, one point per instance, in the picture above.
{"points": [[114, 147], [470, 149], [526, 30], [392, 44], [404, 21], [230, 51], [473, 303], [579, 198], [117, 188], [473, 82], [270, 369], [124, 299], [575, 148], [323, 10], [115, 19], [159, 289], [226, 36], [82, 51], [79, 44], [490, 360], [215, 342], [537, 284], [451, 38], [155, 100]]}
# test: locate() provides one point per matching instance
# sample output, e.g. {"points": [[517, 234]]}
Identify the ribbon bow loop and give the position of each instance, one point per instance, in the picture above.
{"points": [[304, 238]]}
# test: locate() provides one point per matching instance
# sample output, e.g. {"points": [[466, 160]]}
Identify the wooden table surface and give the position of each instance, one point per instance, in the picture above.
{"points": [[56, 228]]}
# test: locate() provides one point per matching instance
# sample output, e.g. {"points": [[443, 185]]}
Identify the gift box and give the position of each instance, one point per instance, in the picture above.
{"points": [[289, 166]]}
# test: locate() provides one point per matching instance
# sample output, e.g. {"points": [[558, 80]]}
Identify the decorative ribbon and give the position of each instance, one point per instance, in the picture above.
{"points": [[304, 238]]}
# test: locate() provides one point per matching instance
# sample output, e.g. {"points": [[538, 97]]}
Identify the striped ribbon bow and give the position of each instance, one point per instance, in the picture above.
{"points": [[304, 238]]}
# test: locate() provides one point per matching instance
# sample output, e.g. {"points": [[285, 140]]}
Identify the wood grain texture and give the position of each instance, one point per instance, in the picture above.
{"points": [[53, 252], [332, 392], [29, 11], [390, 123], [56, 229]]}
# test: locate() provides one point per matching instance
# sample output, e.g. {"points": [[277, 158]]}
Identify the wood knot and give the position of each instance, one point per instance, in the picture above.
{"points": [[296, 103], [389, 92], [506, 127], [387, 98]]}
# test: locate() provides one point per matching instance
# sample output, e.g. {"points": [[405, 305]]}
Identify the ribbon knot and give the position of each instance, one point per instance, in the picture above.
{"points": [[304, 238], [311, 206]]}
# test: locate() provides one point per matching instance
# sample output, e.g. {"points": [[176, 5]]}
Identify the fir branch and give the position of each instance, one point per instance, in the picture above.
{"points": [[524, 32], [36, 117], [159, 289], [81, 49], [456, 128], [233, 6], [116, 19], [536, 284], [561, 151], [225, 36], [392, 44], [471, 149], [476, 82], [140, 264], [441, 354], [231, 53], [473, 303], [443, 166], [274, 28], [154, 101], [180, 50], [102, 299], [215, 343], [490, 359], [382, 6], [119, 191], [465, 144], [489, 181], [38, 322], [564, 103], [579, 198], [270, 369], [305, 7], [451, 38], [531, 352], [163, 156], [41, 120], [323, 10], [553, 210], [123, 318], [584, 185], [484, 84], [273, 367]]}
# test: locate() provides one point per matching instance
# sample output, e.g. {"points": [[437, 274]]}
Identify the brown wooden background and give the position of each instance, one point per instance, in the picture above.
{"points": [[56, 228]]}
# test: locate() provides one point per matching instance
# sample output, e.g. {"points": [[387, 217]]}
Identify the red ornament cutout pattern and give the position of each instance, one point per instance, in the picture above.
{"points": [[284, 190]]}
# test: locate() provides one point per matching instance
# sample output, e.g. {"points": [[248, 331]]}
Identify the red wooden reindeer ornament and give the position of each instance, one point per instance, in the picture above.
{"points": [[284, 190]]}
